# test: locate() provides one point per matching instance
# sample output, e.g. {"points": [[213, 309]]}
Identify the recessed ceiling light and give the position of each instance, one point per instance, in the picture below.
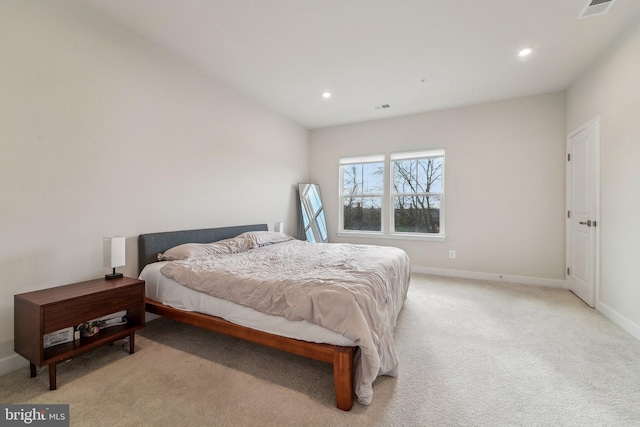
{"points": [[525, 52], [326, 95]]}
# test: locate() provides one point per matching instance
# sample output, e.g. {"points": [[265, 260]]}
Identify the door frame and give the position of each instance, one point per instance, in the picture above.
{"points": [[596, 179]]}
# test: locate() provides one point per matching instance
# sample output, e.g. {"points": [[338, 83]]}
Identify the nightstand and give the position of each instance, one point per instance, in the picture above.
{"points": [[48, 310]]}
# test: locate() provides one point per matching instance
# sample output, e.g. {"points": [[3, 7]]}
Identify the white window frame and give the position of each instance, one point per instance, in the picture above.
{"points": [[416, 155], [346, 161], [387, 212]]}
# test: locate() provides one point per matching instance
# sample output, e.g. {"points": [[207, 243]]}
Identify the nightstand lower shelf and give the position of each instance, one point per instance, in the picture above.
{"points": [[62, 352]]}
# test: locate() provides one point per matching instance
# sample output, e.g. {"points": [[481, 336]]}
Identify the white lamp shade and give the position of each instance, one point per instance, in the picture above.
{"points": [[279, 227], [113, 251]]}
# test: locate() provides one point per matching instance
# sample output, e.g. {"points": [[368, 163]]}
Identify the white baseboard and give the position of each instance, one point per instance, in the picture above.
{"points": [[12, 363], [494, 277], [620, 320], [623, 322]]}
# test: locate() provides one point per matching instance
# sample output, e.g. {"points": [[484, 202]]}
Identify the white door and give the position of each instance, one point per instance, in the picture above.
{"points": [[583, 147]]}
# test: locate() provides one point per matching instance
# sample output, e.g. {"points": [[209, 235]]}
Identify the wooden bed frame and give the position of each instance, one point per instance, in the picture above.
{"points": [[342, 358]]}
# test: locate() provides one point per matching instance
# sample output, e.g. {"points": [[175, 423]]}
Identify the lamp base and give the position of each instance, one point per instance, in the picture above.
{"points": [[113, 276]]}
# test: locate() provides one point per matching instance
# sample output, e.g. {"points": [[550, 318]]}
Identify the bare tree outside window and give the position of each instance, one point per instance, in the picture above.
{"points": [[362, 190], [417, 194]]}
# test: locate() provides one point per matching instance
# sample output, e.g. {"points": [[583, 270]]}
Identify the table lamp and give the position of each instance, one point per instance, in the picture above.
{"points": [[113, 255]]}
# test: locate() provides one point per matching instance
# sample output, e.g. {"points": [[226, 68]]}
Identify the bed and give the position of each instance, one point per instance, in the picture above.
{"points": [[179, 288]]}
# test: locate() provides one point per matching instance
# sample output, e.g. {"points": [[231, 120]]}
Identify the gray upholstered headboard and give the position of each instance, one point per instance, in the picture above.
{"points": [[151, 244]]}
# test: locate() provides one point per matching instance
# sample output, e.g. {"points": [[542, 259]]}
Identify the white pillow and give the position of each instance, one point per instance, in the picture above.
{"points": [[189, 250], [241, 243], [264, 238], [193, 250]]}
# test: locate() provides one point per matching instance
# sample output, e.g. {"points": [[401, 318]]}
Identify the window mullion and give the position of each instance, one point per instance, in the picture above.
{"points": [[387, 217]]}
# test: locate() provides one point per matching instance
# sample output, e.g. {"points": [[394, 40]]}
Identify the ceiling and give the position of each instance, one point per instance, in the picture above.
{"points": [[415, 55]]}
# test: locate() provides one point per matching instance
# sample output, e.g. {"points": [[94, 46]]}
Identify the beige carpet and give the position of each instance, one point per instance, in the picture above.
{"points": [[472, 353]]}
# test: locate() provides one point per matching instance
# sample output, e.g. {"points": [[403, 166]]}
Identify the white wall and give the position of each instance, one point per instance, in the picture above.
{"points": [[611, 88], [504, 202], [102, 133]]}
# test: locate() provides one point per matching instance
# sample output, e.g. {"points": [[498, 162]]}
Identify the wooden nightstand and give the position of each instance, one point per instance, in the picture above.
{"points": [[41, 312]]}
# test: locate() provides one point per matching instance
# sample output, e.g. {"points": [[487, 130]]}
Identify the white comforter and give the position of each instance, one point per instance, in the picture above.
{"points": [[354, 290]]}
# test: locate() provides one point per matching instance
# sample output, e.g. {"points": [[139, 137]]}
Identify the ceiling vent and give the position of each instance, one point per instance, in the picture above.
{"points": [[596, 7], [381, 107]]}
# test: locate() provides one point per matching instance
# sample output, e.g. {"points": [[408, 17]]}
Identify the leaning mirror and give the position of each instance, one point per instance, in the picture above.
{"points": [[313, 227]]}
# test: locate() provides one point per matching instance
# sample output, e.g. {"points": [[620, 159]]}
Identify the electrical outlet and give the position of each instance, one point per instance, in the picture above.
{"points": [[452, 254]]}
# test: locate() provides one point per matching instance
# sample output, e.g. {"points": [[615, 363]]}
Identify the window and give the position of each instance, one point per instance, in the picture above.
{"points": [[408, 203], [362, 191], [417, 190]]}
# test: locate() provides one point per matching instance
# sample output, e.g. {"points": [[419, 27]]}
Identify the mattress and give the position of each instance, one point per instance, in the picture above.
{"points": [[171, 293]]}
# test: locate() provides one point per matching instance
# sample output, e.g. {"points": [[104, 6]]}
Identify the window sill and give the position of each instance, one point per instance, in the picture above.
{"points": [[393, 236]]}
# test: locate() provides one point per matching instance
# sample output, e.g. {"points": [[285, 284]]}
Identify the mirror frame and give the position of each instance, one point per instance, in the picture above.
{"points": [[313, 225]]}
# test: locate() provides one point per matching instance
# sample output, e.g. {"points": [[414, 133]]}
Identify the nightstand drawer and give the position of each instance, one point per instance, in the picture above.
{"points": [[76, 311]]}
